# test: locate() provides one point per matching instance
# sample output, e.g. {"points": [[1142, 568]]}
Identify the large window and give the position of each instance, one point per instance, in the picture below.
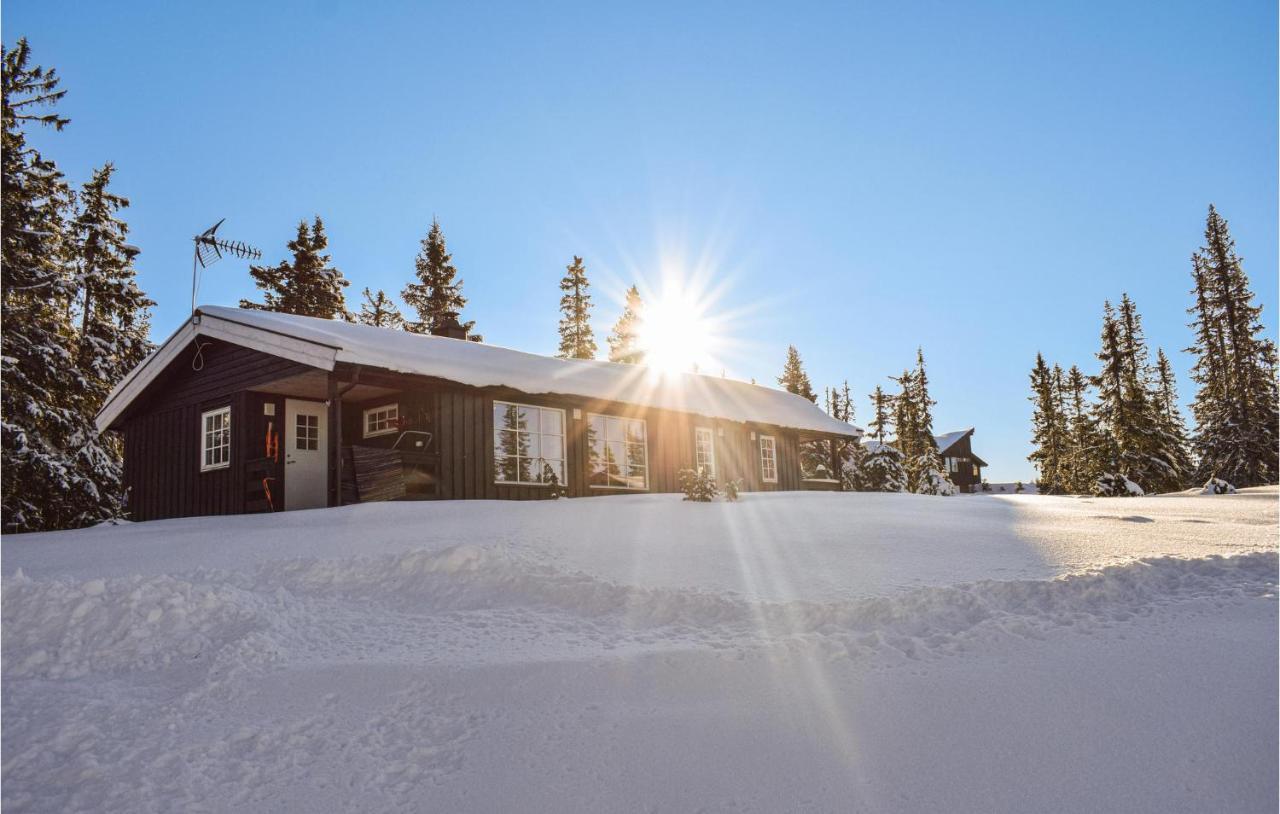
{"points": [[704, 450], [215, 439], [528, 444], [619, 457], [768, 459], [381, 420]]}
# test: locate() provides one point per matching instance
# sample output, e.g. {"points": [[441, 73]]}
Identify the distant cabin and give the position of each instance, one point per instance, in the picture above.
{"points": [[251, 411], [963, 466]]}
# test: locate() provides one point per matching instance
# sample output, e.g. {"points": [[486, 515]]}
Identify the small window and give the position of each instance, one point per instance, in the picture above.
{"points": [[215, 439], [704, 450], [618, 455], [768, 459], [307, 432], [528, 444], [381, 420]]}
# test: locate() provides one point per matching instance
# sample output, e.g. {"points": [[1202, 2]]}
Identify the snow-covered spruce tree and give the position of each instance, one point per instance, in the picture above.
{"points": [[1081, 460], [577, 340], [882, 470], [114, 314], [379, 310], [1120, 453], [1133, 443], [815, 458], [913, 423], [1236, 407], [852, 454], [932, 473], [1048, 429], [438, 290], [1158, 471], [906, 425], [1173, 430], [624, 340], [794, 379], [57, 472], [309, 285]]}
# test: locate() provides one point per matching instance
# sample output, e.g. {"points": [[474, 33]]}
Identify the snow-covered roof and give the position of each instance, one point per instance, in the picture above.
{"points": [[874, 446], [947, 440], [323, 343]]}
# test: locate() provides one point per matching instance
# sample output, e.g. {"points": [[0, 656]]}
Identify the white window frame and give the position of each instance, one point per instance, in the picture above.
{"points": [[564, 446], [770, 460], [373, 411], [644, 488], [206, 435], [710, 464]]}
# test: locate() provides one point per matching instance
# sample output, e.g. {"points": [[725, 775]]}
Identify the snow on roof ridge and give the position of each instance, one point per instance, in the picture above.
{"points": [[480, 364], [946, 439]]}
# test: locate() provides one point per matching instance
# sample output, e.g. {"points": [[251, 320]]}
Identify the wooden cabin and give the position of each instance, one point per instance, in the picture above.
{"points": [[250, 411], [963, 466]]}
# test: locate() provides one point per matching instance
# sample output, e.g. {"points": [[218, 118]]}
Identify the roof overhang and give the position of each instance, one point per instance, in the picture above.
{"points": [[133, 385]]}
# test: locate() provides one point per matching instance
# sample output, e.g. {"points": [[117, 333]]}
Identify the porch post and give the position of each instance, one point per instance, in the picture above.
{"points": [[335, 441], [835, 464]]}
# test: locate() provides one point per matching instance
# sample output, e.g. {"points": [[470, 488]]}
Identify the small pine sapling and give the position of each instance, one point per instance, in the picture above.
{"points": [[732, 489], [697, 484], [554, 488]]}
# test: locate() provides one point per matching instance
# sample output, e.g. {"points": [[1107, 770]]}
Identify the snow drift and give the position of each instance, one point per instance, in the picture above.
{"points": [[792, 651]]}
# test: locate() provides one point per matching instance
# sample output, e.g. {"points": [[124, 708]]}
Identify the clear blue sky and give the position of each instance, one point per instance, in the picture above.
{"points": [[856, 180]]}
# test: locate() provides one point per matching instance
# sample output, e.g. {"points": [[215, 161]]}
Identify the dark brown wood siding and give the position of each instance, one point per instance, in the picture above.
{"points": [[162, 437], [162, 432], [460, 421]]}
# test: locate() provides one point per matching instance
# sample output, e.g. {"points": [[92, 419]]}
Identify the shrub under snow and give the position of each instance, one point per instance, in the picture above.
{"points": [[697, 485], [1114, 485], [935, 482], [1217, 486]]}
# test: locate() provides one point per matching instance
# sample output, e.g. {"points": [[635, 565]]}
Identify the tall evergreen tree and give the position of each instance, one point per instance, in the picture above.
{"points": [[1048, 429], [309, 285], [794, 379], [1120, 453], [882, 470], [114, 314], [624, 340], [379, 310], [1237, 406], [58, 473], [1081, 462], [928, 468], [438, 290], [1173, 429], [577, 340], [1155, 450], [852, 454]]}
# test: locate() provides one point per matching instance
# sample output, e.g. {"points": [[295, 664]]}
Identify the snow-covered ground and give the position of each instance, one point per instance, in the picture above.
{"points": [[792, 652]]}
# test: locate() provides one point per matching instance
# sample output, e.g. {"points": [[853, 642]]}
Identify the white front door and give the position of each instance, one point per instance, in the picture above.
{"points": [[306, 449]]}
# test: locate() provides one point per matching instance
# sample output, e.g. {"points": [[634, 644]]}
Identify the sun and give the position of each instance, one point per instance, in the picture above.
{"points": [[676, 334]]}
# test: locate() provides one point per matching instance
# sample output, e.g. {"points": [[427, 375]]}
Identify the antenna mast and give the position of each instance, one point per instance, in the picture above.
{"points": [[209, 249]]}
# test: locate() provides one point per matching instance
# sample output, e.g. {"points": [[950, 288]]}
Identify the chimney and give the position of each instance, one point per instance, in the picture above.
{"points": [[450, 327]]}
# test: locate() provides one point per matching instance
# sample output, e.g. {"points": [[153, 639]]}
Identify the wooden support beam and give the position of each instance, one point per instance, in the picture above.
{"points": [[335, 441], [836, 469]]}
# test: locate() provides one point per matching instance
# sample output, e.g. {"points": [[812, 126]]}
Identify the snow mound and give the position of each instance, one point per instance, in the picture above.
{"points": [[61, 630], [1113, 485], [1217, 486], [65, 630]]}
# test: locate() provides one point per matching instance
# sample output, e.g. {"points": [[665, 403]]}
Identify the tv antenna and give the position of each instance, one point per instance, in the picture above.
{"points": [[209, 249]]}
